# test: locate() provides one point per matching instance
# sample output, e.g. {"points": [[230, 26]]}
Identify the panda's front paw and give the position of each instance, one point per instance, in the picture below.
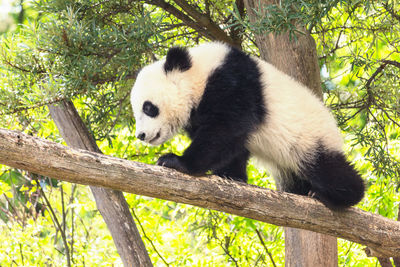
{"points": [[172, 161]]}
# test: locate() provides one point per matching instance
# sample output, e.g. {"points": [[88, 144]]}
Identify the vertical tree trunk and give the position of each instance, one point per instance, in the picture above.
{"points": [[111, 204], [299, 60], [305, 248]]}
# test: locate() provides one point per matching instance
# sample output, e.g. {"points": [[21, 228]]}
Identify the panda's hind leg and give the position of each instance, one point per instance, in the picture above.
{"points": [[333, 180], [293, 183]]}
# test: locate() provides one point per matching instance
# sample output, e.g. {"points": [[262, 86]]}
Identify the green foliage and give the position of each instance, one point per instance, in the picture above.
{"points": [[286, 16], [89, 51], [355, 41], [361, 86], [33, 240], [75, 49]]}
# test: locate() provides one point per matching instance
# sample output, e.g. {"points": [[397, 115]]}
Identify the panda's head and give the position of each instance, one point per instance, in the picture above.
{"points": [[162, 97]]}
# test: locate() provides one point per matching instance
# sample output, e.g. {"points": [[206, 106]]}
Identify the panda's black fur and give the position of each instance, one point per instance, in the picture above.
{"points": [[231, 108], [232, 103]]}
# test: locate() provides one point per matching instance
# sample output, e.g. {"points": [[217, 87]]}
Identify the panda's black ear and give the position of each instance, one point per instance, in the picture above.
{"points": [[177, 58]]}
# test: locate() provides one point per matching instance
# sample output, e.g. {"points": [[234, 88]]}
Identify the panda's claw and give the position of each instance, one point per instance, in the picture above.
{"points": [[312, 194], [172, 161]]}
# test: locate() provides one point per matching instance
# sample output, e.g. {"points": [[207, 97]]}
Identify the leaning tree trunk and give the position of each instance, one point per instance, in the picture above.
{"points": [[111, 203], [299, 60]]}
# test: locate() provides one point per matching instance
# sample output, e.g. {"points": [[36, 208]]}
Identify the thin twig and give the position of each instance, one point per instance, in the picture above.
{"points": [[392, 12], [22, 254], [145, 236], [120, 103], [20, 68], [71, 199], [370, 80], [392, 62], [19, 220], [265, 247], [55, 220], [226, 250], [387, 114], [38, 105], [71, 243], [62, 208]]}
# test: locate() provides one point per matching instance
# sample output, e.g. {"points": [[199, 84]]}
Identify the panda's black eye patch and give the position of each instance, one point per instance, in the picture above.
{"points": [[150, 109]]}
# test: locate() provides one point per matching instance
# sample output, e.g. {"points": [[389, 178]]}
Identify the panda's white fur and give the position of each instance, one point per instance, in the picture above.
{"points": [[297, 118], [177, 93], [296, 132]]}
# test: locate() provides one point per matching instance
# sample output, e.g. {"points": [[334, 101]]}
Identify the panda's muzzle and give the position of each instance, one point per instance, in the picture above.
{"points": [[155, 138]]}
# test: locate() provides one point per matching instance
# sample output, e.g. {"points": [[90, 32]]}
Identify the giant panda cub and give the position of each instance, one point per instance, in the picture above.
{"points": [[234, 106]]}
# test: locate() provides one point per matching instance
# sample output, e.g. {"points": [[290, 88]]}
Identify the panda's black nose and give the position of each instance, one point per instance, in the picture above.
{"points": [[141, 136]]}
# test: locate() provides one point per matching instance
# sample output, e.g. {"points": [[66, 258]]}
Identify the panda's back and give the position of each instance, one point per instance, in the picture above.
{"points": [[285, 121], [296, 124]]}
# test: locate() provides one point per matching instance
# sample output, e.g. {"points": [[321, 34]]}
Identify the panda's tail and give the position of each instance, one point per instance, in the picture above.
{"points": [[334, 181]]}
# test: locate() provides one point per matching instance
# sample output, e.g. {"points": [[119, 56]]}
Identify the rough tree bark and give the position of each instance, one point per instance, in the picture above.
{"points": [[47, 158], [111, 203], [299, 60], [385, 262]]}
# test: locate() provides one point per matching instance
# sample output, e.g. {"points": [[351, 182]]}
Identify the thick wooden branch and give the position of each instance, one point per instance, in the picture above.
{"points": [[196, 20], [182, 16], [206, 21], [47, 158]]}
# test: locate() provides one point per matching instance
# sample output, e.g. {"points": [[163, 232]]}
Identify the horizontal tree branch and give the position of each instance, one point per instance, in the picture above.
{"points": [[47, 158]]}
